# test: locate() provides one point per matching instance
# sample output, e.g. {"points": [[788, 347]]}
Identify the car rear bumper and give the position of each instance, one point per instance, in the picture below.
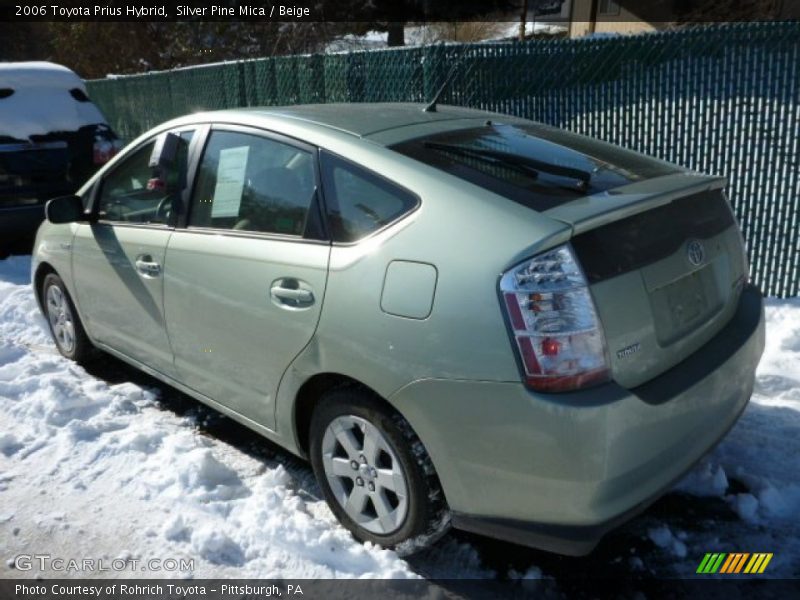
{"points": [[558, 471]]}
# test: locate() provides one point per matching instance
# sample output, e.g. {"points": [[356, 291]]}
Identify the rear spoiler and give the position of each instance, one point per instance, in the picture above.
{"points": [[599, 209]]}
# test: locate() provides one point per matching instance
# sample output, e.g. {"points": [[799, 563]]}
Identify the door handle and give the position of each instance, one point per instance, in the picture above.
{"points": [[291, 293], [296, 295], [146, 266]]}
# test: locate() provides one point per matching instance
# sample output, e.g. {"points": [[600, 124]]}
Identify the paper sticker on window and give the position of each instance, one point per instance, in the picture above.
{"points": [[230, 182]]}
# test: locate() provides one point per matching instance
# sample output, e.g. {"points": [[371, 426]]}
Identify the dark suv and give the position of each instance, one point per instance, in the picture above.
{"points": [[52, 139]]}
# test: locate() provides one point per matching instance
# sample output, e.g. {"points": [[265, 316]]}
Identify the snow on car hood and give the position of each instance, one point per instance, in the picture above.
{"points": [[41, 102]]}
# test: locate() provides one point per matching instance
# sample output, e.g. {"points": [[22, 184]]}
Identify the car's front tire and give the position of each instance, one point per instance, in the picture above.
{"points": [[65, 325], [375, 473]]}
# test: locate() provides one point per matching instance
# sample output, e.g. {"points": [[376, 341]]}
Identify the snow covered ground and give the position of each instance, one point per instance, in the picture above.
{"points": [[94, 465]]}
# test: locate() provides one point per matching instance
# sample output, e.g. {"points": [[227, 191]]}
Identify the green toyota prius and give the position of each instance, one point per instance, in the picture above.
{"points": [[459, 317]]}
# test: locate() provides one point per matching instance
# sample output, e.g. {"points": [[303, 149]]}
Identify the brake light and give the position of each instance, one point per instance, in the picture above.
{"points": [[104, 150], [555, 326], [156, 184]]}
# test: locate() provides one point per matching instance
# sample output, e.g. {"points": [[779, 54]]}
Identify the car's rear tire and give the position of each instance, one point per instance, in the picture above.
{"points": [[65, 324], [375, 473]]}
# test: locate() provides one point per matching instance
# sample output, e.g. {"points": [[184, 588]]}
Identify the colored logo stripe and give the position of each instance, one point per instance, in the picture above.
{"points": [[726, 566], [734, 562], [710, 563], [738, 567], [758, 563]]}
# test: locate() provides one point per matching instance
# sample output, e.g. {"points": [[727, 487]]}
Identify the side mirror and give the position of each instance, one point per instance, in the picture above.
{"points": [[165, 151], [65, 209]]}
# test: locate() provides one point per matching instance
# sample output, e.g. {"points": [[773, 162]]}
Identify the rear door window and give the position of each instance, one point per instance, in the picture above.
{"points": [[360, 202], [248, 182]]}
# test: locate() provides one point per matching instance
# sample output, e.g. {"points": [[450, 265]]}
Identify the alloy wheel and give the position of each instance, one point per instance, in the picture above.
{"points": [[365, 475], [60, 317]]}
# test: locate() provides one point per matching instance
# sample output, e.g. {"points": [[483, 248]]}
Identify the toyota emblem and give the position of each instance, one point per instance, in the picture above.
{"points": [[695, 252]]}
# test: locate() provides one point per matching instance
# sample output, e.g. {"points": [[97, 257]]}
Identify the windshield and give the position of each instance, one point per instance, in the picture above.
{"points": [[538, 166]]}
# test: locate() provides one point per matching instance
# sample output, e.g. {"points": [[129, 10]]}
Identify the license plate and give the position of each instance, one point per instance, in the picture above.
{"points": [[686, 299]]}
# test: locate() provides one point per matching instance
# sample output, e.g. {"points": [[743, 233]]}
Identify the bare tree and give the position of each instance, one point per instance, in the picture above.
{"points": [[523, 19]]}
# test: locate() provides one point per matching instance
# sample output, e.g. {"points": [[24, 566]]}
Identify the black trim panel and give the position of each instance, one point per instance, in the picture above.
{"points": [[645, 238]]}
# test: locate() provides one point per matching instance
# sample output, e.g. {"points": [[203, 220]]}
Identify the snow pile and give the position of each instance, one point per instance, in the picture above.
{"points": [[121, 467], [41, 102], [663, 538], [706, 479], [88, 469], [760, 454], [745, 506], [761, 449], [532, 573], [421, 35]]}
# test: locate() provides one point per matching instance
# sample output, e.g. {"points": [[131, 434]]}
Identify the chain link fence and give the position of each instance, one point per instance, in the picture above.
{"points": [[722, 99]]}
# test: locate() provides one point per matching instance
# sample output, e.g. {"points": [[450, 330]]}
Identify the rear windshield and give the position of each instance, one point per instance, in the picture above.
{"points": [[537, 166]]}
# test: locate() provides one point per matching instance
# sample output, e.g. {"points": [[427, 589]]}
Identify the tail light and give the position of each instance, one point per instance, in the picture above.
{"points": [[739, 285], [156, 184], [104, 150], [555, 326]]}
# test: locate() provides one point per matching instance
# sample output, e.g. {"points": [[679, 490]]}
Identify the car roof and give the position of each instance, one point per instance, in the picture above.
{"points": [[38, 73], [41, 102], [360, 119]]}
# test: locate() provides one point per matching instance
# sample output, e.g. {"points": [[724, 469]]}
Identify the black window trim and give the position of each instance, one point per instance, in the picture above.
{"points": [[401, 217], [193, 173]]}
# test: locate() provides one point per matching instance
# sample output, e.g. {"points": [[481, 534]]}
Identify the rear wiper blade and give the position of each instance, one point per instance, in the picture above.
{"points": [[584, 177]]}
